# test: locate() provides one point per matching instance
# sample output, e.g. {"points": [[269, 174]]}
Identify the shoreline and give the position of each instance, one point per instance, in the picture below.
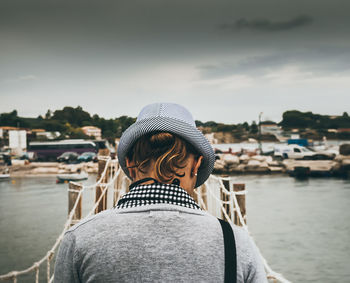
{"points": [[225, 165]]}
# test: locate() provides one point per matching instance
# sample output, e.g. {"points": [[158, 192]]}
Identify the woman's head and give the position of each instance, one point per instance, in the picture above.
{"points": [[162, 154], [163, 127]]}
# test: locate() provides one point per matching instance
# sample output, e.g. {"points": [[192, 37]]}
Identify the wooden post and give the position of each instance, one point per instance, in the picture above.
{"points": [[226, 198], [241, 203], [103, 203], [195, 195], [202, 194], [118, 186], [73, 192], [103, 152]]}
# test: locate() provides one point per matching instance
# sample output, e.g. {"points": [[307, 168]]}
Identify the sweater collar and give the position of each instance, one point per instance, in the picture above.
{"points": [[157, 193]]}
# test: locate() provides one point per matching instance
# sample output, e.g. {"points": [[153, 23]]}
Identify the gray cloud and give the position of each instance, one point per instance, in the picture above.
{"points": [[84, 52], [268, 25], [320, 62], [20, 79]]}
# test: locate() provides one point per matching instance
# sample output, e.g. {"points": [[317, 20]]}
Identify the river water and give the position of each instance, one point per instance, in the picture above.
{"points": [[301, 227]]}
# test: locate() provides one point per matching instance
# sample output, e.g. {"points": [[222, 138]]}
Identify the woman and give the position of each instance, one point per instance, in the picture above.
{"points": [[157, 232]]}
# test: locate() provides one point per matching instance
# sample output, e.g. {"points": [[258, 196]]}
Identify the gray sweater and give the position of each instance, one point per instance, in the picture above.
{"points": [[153, 243]]}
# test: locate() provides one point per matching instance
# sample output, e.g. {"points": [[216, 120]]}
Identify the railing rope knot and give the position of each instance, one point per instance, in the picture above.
{"points": [[50, 254]]}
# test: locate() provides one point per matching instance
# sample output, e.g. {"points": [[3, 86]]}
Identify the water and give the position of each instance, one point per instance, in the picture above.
{"points": [[301, 227], [33, 211]]}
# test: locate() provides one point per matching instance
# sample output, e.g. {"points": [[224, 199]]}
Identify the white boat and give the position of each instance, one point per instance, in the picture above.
{"points": [[4, 176], [61, 178]]}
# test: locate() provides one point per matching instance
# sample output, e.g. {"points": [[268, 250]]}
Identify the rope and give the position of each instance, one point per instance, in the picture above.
{"points": [[48, 269], [123, 189], [73, 191], [200, 198], [37, 273], [14, 274], [103, 193], [270, 273]]}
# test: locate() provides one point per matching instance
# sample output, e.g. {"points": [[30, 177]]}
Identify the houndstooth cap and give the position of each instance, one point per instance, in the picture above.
{"points": [[172, 118]]}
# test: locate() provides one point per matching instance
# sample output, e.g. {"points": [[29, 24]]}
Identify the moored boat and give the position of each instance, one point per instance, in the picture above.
{"points": [[5, 174], [79, 176]]}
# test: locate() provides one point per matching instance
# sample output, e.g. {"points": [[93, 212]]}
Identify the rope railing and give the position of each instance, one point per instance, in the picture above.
{"points": [[113, 174], [270, 273], [49, 255]]}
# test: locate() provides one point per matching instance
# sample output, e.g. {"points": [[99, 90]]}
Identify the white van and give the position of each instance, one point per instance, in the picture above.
{"points": [[293, 151]]}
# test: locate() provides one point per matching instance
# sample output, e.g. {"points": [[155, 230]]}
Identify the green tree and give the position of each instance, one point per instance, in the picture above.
{"points": [[253, 128], [246, 126], [9, 119], [48, 114], [74, 116], [54, 125]]}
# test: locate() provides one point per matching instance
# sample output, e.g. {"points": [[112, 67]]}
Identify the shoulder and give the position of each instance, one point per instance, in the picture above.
{"points": [[90, 221], [248, 256], [242, 237]]}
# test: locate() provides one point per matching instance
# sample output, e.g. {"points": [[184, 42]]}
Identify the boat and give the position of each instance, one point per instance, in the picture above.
{"points": [[79, 176], [5, 174], [310, 168]]}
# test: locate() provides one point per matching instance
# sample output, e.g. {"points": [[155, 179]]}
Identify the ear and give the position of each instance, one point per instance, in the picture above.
{"points": [[130, 165], [197, 163]]}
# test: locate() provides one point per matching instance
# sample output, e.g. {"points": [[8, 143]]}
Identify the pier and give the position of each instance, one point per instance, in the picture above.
{"points": [[219, 196]]}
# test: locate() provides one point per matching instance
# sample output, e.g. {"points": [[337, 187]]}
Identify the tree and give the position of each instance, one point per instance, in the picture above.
{"points": [[225, 128], [297, 119], [74, 116], [54, 125], [9, 119], [246, 126], [253, 128], [48, 114], [198, 123]]}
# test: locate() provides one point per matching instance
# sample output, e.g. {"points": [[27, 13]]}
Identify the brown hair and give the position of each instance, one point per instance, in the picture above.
{"points": [[168, 151]]}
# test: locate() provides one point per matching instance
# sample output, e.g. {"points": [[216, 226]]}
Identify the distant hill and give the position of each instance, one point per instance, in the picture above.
{"points": [[69, 120]]}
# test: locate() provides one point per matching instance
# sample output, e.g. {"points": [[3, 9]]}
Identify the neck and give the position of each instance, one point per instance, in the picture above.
{"points": [[146, 179]]}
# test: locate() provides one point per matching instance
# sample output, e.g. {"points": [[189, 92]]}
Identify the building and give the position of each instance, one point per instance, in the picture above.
{"points": [[92, 131], [343, 130], [271, 128], [17, 141], [210, 137], [48, 135], [4, 131]]}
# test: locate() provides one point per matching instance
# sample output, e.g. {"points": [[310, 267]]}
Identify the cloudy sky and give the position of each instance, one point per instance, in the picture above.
{"points": [[225, 60]]}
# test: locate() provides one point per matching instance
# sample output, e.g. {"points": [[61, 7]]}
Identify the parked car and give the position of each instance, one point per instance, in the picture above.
{"points": [[87, 156], [293, 151], [68, 157], [5, 158]]}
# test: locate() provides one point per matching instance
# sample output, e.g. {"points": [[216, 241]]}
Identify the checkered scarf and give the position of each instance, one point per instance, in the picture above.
{"points": [[157, 193]]}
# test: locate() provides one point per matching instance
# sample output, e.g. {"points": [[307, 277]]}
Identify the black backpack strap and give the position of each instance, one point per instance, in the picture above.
{"points": [[230, 252]]}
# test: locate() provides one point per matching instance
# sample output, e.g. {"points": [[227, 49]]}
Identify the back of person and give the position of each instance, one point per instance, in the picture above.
{"points": [[161, 243], [157, 232]]}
